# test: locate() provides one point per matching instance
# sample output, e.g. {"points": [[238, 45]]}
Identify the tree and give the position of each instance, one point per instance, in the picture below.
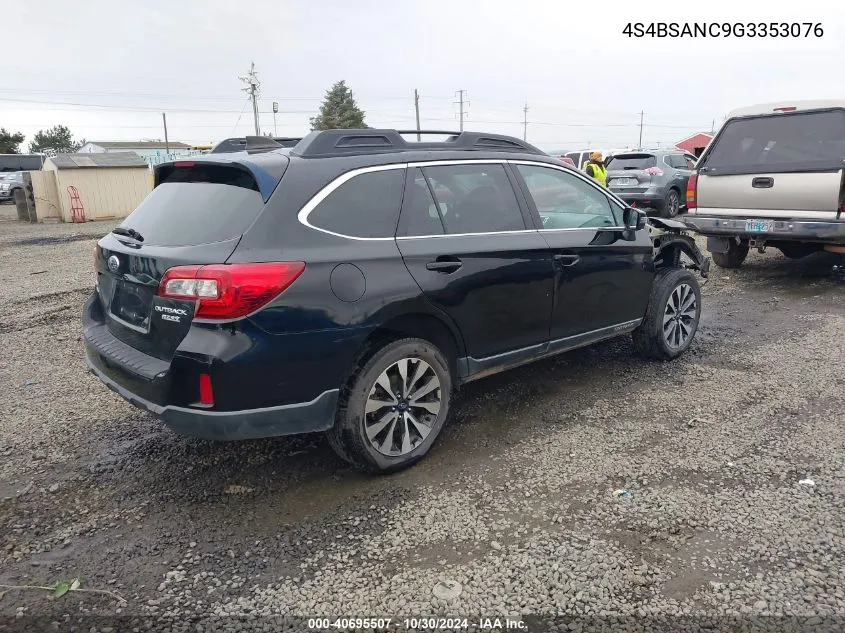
{"points": [[339, 110], [57, 138], [10, 143]]}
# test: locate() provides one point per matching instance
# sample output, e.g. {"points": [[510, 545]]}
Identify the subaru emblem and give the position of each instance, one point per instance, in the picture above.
{"points": [[114, 263]]}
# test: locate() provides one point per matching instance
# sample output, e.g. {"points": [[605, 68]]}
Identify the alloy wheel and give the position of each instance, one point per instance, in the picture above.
{"points": [[679, 316], [402, 407]]}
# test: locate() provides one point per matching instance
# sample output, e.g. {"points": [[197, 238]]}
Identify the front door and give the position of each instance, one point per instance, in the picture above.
{"points": [[602, 282], [465, 240]]}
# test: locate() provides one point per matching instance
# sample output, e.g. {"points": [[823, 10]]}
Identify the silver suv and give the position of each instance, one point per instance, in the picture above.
{"points": [[772, 176]]}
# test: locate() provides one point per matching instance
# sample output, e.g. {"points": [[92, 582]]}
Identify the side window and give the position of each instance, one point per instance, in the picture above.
{"points": [[367, 205], [564, 201], [420, 216], [475, 198]]}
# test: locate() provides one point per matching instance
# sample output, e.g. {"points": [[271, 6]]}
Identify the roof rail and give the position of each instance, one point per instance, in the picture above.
{"points": [[329, 143]]}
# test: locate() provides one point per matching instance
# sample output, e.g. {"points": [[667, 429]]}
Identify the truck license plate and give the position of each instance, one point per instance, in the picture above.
{"points": [[759, 226]]}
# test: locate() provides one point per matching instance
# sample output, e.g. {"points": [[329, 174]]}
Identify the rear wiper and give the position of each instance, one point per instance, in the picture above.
{"points": [[129, 233]]}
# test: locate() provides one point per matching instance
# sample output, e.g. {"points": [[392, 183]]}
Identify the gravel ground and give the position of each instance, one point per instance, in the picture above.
{"points": [[512, 514]]}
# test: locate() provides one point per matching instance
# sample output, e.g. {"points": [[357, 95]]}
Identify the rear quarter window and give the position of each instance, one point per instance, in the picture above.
{"points": [[366, 206]]}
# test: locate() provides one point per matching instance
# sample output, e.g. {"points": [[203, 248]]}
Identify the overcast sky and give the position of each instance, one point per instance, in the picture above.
{"points": [[108, 68]]}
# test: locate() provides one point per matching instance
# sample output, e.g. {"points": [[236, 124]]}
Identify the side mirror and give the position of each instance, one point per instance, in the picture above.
{"points": [[633, 219]]}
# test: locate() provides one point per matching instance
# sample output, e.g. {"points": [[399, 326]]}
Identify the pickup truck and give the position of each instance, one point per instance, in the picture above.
{"points": [[772, 176]]}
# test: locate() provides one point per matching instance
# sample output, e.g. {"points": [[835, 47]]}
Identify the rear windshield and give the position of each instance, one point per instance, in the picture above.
{"points": [[785, 141], [199, 204], [632, 161]]}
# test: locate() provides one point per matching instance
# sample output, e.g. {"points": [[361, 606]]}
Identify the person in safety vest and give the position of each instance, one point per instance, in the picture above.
{"points": [[595, 169]]}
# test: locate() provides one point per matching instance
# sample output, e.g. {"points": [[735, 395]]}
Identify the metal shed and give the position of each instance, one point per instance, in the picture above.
{"points": [[82, 187]]}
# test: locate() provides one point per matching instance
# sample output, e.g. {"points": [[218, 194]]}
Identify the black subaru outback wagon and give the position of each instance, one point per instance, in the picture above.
{"points": [[349, 284]]}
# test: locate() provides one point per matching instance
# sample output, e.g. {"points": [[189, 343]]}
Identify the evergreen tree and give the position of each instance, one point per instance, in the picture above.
{"points": [[339, 110], [57, 138], [10, 142]]}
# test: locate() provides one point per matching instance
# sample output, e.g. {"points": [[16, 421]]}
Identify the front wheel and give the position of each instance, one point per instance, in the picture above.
{"points": [[393, 407], [672, 316]]}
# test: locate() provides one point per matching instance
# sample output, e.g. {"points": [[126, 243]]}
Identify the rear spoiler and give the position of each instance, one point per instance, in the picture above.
{"points": [[253, 143]]}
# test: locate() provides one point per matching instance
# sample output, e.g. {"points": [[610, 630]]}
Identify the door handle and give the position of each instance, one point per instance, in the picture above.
{"points": [[444, 266], [763, 182]]}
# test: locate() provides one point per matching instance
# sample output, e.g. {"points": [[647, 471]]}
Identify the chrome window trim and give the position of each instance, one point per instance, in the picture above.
{"points": [[305, 211]]}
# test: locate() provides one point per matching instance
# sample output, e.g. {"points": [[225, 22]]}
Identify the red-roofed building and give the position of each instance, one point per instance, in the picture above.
{"points": [[695, 144]]}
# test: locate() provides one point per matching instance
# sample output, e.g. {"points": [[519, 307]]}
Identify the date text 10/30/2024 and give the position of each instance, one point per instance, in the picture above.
{"points": [[416, 624], [724, 29]]}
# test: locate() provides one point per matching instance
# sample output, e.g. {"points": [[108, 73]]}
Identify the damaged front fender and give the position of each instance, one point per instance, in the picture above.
{"points": [[672, 239]]}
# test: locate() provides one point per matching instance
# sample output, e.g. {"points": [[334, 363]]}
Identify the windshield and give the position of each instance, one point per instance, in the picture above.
{"points": [[632, 161]]}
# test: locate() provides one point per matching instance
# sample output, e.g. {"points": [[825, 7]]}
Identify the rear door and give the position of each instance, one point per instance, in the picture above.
{"points": [[786, 165], [601, 281], [465, 240], [195, 215], [681, 171]]}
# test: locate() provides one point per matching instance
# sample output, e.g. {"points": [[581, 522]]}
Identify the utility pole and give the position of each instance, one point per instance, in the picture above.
{"points": [[461, 102], [252, 89], [525, 122], [713, 127], [275, 110], [640, 144], [166, 142], [417, 109]]}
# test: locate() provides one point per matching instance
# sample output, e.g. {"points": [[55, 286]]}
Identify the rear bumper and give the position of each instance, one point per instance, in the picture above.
{"points": [[652, 199], [167, 388], [782, 230], [291, 419]]}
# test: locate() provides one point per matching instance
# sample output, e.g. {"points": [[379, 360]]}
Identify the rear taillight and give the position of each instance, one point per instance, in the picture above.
{"points": [[692, 185], [785, 109], [654, 171], [229, 291]]}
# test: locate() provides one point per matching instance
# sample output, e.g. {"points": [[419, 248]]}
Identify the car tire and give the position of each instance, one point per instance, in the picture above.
{"points": [[737, 252], [671, 319], [398, 434], [671, 205]]}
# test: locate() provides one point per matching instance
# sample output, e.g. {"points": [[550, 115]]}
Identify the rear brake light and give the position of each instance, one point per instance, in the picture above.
{"points": [[786, 109], [184, 163], [692, 185], [206, 391], [229, 291]]}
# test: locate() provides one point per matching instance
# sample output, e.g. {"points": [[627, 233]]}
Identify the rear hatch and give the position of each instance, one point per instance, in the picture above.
{"points": [[195, 215], [632, 173], [780, 165]]}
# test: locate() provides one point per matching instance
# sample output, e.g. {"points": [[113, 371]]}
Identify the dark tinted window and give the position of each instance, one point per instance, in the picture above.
{"points": [[565, 201], [367, 205], [675, 160], [419, 210], [475, 198], [784, 140], [197, 205], [632, 161]]}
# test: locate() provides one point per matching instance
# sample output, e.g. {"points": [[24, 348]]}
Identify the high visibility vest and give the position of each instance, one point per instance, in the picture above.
{"points": [[599, 173]]}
